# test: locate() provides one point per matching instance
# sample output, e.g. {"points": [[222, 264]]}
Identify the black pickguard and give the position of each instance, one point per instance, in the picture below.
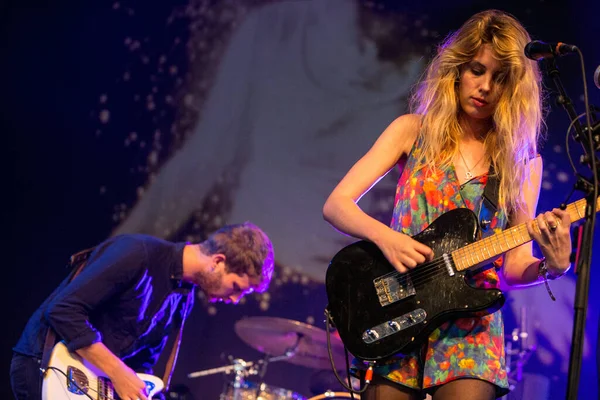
{"points": [[354, 305]]}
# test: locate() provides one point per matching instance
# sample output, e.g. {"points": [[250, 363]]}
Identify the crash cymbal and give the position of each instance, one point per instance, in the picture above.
{"points": [[276, 336]]}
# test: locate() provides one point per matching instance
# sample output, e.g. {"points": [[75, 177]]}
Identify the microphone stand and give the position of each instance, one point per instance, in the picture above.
{"points": [[583, 262]]}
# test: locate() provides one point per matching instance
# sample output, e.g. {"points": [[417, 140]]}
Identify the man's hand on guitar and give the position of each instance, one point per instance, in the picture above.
{"points": [[402, 251], [128, 385], [125, 382]]}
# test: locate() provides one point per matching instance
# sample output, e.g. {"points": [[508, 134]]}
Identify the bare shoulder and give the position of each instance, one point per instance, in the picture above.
{"points": [[536, 164], [403, 132], [408, 124]]}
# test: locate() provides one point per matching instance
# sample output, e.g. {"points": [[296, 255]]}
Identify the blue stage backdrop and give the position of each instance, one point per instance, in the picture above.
{"points": [[173, 118]]}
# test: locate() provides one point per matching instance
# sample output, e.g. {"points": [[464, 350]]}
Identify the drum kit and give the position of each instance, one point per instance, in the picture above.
{"points": [[303, 344], [279, 339]]}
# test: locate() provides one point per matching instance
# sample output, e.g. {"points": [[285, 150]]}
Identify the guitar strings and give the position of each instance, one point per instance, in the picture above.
{"points": [[413, 274], [501, 239], [94, 382], [421, 273], [432, 268]]}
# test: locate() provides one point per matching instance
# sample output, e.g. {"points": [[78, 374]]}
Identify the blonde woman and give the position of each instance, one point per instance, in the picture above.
{"points": [[478, 106]]}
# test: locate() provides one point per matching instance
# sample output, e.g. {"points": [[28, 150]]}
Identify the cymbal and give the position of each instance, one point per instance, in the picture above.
{"points": [[275, 336]]}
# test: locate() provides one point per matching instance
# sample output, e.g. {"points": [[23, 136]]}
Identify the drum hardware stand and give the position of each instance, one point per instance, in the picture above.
{"points": [[243, 369], [291, 341], [290, 352], [521, 351]]}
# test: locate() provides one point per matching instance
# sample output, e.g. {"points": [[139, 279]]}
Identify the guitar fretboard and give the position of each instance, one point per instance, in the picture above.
{"points": [[495, 245]]}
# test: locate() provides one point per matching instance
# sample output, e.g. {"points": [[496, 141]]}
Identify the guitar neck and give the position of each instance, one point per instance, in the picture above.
{"points": [[495, 245]]}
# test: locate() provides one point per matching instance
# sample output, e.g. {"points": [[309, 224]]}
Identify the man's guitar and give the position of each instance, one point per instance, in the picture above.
{"points": [[69, 377], [379, 312]]}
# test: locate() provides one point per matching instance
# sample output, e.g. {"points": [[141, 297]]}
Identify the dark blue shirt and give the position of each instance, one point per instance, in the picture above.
{"points": [[128, 296]]}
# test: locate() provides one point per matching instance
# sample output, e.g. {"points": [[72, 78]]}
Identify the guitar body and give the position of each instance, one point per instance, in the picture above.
{"points": [[95, 384], [359, 277]]}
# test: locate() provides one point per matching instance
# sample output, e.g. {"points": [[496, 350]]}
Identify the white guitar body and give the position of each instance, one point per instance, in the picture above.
{"points": [[81, 380]]}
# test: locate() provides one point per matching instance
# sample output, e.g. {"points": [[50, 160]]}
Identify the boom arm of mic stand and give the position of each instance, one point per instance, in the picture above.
{"points": [[563, 99]]}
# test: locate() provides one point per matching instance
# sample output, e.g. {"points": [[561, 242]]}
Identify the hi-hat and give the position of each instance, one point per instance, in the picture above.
{"points": [[306, 344]]}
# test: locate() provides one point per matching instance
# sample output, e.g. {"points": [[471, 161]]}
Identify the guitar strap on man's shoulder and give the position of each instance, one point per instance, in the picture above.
{"points": [[489, 202], [76, 262]]}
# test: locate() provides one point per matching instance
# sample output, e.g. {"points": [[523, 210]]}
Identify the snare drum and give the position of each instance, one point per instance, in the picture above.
{"points": [[252, 391]]}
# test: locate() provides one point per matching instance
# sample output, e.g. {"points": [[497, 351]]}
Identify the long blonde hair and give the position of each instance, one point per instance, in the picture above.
{"points": [[518, 118]]}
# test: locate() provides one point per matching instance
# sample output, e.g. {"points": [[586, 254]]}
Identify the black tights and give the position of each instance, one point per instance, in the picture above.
{"points": [[463, 389]]}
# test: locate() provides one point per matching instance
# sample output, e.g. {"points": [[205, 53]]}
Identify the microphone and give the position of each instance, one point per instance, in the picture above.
{"points": [[537, 49], [597, 77]]}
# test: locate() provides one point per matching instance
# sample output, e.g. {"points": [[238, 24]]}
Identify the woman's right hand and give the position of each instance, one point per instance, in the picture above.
{"points": [[402, 251]]}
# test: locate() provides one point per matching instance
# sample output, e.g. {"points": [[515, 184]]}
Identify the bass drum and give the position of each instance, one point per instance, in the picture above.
{"points": [[254, 391], [329, 395]]}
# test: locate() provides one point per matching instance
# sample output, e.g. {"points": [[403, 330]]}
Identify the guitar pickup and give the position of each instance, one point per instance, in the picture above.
{"points": [[77, 381], [395, 325], [393, 288]]}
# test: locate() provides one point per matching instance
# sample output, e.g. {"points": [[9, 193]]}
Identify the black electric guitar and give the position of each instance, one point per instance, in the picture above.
{"points": [[379, 312]]}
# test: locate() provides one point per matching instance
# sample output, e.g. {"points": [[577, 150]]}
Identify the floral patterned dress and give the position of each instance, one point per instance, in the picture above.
{"points": [[465, 347]]}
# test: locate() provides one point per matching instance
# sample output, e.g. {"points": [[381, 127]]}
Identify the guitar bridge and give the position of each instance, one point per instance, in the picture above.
{"points": [[393, 288], [395, 325]]}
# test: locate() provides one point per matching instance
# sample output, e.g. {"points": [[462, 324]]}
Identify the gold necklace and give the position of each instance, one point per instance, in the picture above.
{"points": [[468, 174]]}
